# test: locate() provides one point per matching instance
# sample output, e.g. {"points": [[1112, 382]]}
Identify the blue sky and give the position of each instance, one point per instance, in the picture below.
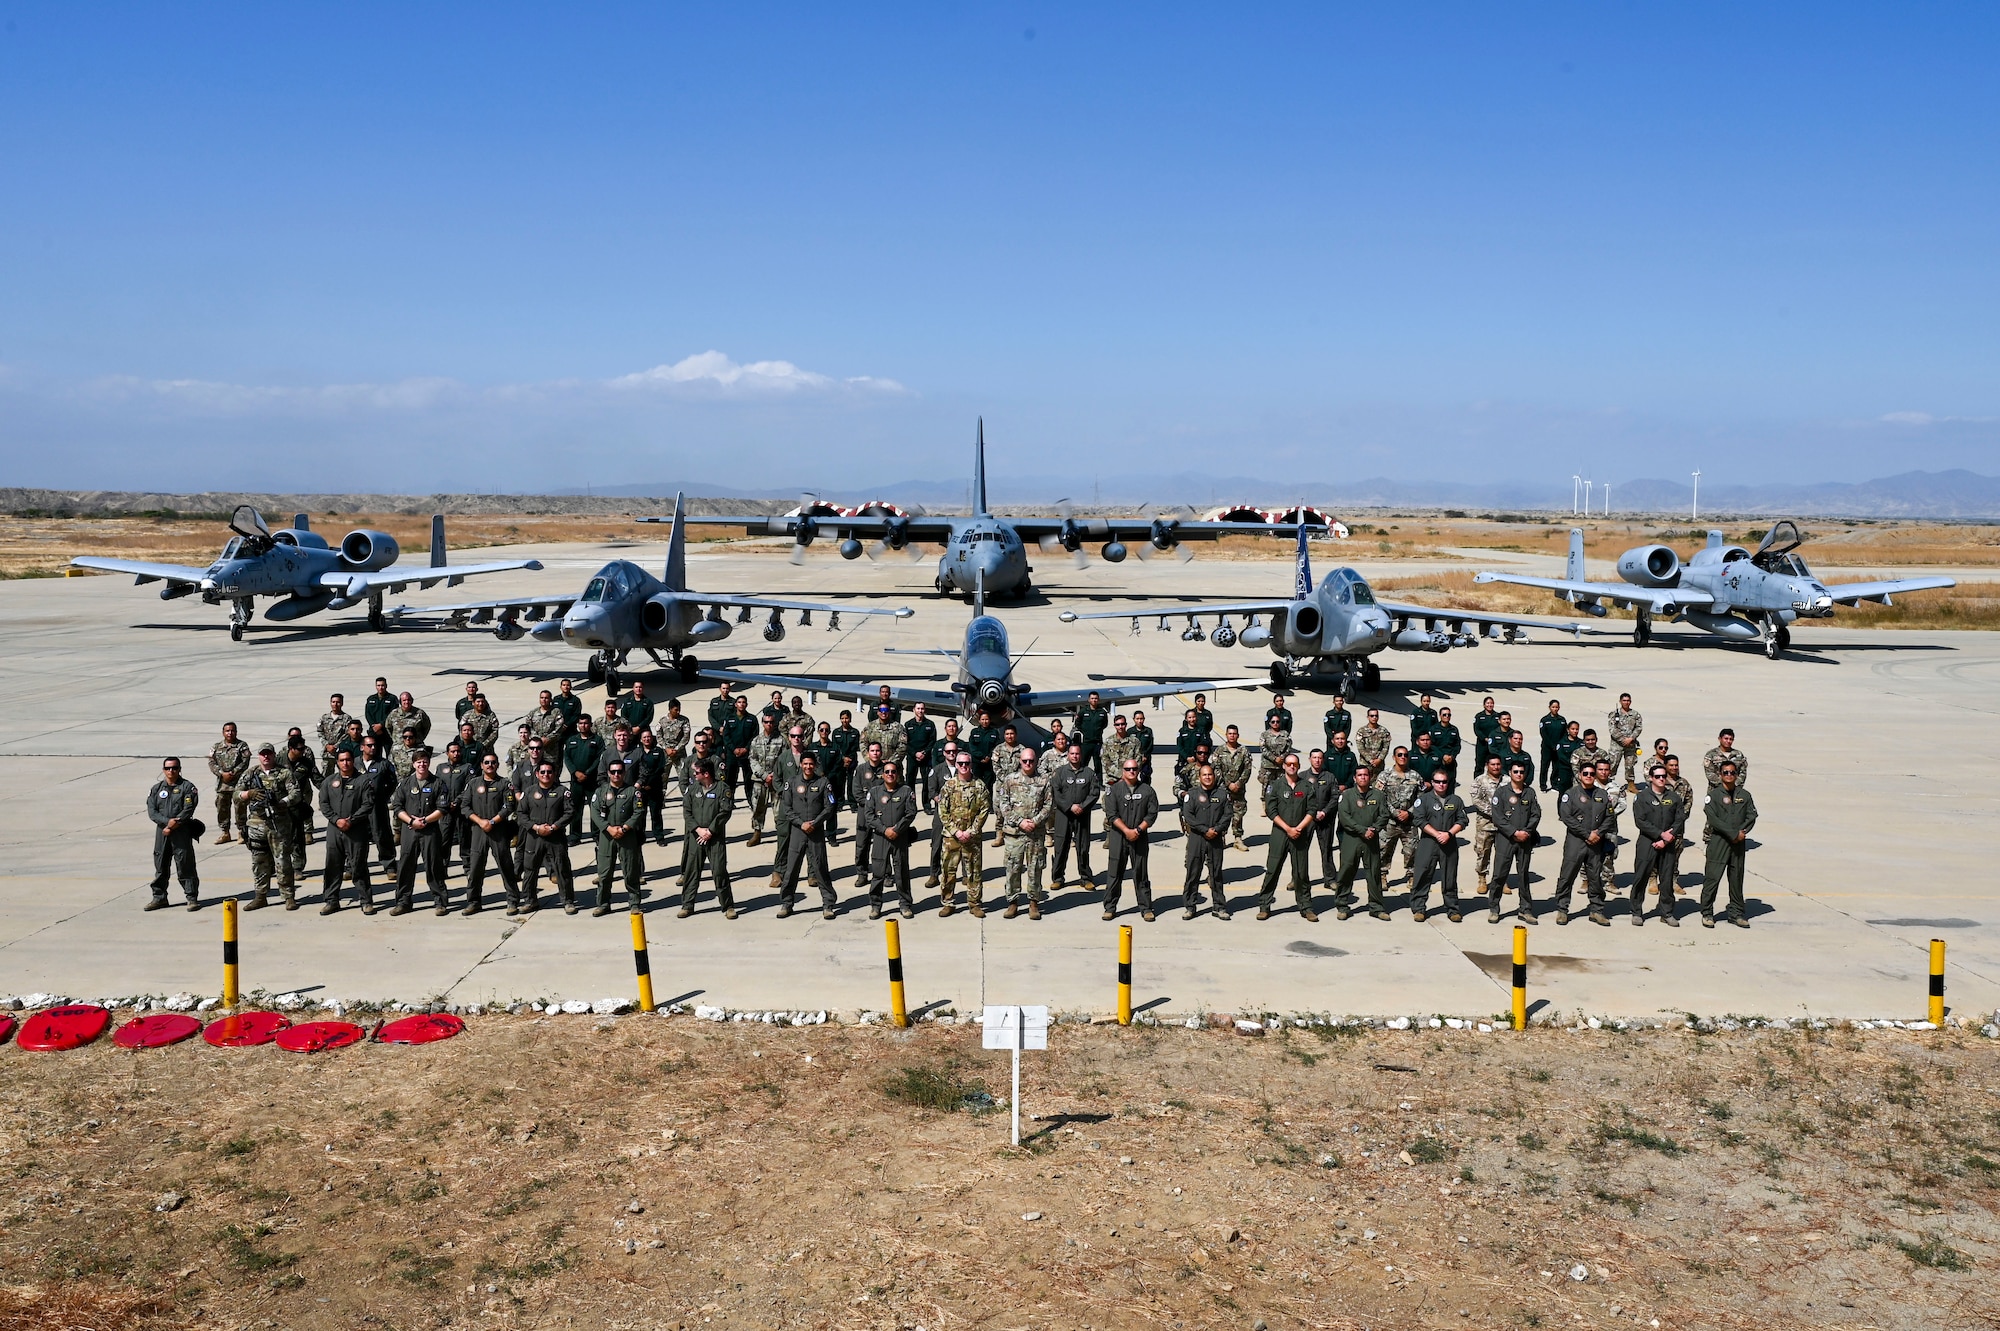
{"points": [[493, 247]]}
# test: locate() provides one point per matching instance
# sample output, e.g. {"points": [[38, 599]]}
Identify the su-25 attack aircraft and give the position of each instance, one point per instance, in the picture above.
{"points": [[624, 609], [1722, 589], [984, 550], [1333, 630], [296, 565], [984, 680]]}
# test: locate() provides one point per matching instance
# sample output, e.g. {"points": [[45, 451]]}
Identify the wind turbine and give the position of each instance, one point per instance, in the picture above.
{"points": [[1694, 507]]}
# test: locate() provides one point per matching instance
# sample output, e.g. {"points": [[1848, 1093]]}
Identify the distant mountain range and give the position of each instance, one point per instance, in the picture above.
{"points": [[1913, 494], [1916, 494]]}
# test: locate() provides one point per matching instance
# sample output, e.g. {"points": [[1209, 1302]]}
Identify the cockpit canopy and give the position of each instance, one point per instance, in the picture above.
{"points": [[986, 636], [1349, 588], [615, 581]]}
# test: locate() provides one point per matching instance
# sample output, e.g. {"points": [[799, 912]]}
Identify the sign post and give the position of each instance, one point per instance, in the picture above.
{"points": [[1015, 1029]]}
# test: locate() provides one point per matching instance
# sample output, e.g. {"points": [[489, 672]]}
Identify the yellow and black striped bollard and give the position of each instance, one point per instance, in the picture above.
{"points": [[1937, 982], [641, 963], [898, 1014], [1520, 977], [1124, 975], [229, 989]]}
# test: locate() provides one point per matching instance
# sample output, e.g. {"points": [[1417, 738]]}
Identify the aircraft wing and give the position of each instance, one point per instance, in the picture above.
{"points": [[1141, 611], [1139, 529], [773, 603], [1853, 593], [1053, 702], [480, 612], [1431, 615], [1618, 593], [846, 690], [784, 524], [394, 579], [144, 572]]}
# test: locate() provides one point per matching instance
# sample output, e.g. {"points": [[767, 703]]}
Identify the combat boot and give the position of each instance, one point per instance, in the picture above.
{"points": [[1013, 909], [944, 911], [569, 900], [1309, 915], [1599, 917], [1034, 909], [260, 900], [291, 899], [978, 910], [756, 836], [157, 903], [194, 903]]}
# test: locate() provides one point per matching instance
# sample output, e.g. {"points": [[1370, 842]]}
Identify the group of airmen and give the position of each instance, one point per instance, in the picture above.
{"points": [[386, 793]]}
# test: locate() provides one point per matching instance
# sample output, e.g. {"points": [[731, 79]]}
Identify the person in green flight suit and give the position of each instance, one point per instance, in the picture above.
{"points": [[581, 756], [621, 838]]}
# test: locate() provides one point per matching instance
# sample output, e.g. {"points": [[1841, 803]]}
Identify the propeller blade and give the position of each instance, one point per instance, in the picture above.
{"points": [[798, 555], [875, 549], [1050, 543], [1143, 549], [1079, 559], [1182, 553]]}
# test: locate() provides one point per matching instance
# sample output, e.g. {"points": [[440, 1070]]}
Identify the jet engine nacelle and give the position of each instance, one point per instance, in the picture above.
{"points": [[1650, 566], [1296, 630], [368, 550], [509, 629], [1727, 626], [1420, 640], [850, 549], [1114, 552], [668, 615]]}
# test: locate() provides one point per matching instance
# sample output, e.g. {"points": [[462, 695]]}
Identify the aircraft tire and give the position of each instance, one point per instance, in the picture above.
{"points": [[1280, 678], [1784, 639], [1371, 677], [689, 668], [235, 632], [1772, 647], [611, 680], [597, 668]]}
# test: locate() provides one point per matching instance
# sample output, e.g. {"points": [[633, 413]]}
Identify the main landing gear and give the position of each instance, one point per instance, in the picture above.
{"points": [[1777, 639], [239, 617]]}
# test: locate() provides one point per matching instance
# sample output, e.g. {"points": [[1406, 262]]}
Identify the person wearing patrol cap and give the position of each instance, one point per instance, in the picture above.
{"points": [[266, 797], [621, 836], [418, 808]]}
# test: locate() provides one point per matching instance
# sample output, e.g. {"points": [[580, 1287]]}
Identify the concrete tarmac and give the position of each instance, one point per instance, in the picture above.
{"points": [[1874, 769]]}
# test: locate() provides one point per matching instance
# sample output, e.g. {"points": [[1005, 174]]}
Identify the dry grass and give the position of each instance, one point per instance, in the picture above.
{"points": [[1189, 1178]]}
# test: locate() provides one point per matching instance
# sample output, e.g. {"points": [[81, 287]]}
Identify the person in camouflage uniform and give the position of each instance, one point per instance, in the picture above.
{"points": [[1588, 752], [1373, 742], [1484, 787], [1057, 752], [883, 729], [943, 771], [808, 808], [708, 846], [1272, 750], [332, 727], [546, 723], [306, 781], [1399, 785], [227, 763], [267, 795], [1021, 806], [407, 718], [1725, 751], [1120, 746], [1232, 776], [620, 821], [1679, 782], [1626, 726], [962, 807], [766, 753], [1005, 760], [675, 735]]}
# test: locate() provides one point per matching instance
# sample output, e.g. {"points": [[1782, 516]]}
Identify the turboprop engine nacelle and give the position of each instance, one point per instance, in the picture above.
{"points": [[1296, 630], [368, 550], [1650, 566]]}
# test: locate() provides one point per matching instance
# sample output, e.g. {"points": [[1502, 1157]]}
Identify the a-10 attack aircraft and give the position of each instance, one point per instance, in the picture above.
{"points": [[1331, 632], [984, 680], [984, 550], [296, 565], [1723, 589], [624, 609]]}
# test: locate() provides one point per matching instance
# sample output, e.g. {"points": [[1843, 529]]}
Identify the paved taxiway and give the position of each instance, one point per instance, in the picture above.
{"points": [[1875, 770]]}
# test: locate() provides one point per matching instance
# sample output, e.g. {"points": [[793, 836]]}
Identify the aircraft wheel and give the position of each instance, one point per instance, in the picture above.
{"points": [[611, 680], [689, 668], [598, 668], [236, 631], [1784, 639], [1280, 678], [1371, 677], [1772, 647]]}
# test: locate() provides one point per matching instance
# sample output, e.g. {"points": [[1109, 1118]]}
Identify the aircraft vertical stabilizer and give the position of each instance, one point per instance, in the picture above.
{"points": [[979, 471], [675, 573], [437, 540], [1715, 539], [1574, 572], [301, 522], [1302, 585]]}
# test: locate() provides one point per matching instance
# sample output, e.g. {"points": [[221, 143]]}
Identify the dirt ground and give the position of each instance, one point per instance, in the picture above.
{"points": [[653, 1172]]}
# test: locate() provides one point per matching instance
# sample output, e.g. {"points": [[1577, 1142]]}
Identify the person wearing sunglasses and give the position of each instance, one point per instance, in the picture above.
{"points": [[172, 804], [1439, 815]]}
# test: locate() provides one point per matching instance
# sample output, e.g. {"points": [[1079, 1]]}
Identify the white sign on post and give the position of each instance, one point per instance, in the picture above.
{"points": [[1015, 1029]]}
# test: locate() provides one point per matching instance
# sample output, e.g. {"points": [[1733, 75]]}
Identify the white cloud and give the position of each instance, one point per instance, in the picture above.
{"points": [[713, 368], [1908, 418]]}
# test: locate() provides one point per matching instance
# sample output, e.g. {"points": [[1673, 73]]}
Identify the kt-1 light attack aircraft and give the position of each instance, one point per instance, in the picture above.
{"points": [[1332, 631], [1722, 589], [984, 550], [624, 609], [296, 565], [984, 680]]}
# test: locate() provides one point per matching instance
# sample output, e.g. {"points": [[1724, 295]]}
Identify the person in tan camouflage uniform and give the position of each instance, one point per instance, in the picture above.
{"points": [[1273, 747], [406, 717], [332, 727], [1231, 763], [1399, 785], [1119, 746], [1725, 751], [962, 806], [1480, 800], [767, 753], [1022, 805], [1589, 753], [1373, 741], [266, 795], [882, 729], [1625, 726], [227, 762]]}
